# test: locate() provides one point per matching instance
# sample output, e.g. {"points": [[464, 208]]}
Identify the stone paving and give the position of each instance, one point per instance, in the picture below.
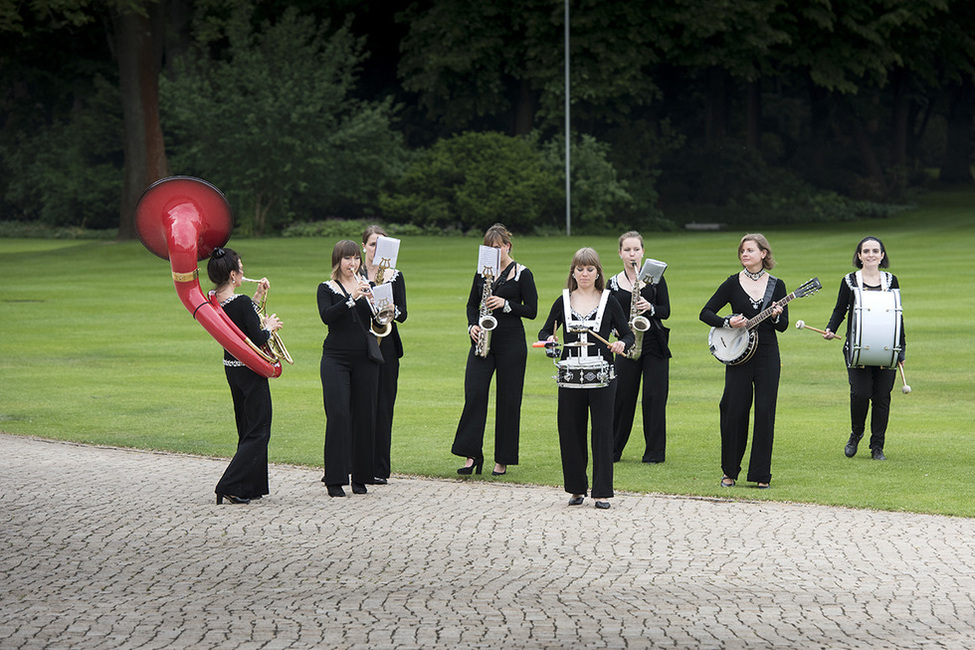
{"points": [[112, 548]]}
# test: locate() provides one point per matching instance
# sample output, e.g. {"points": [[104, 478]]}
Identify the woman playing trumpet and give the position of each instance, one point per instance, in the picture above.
{"points": [[392, 349], [513, 297], [350, 373], [246, 476]]}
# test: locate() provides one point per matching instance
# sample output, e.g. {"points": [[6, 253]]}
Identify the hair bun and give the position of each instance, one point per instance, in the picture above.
{"points": [[218, 253]]}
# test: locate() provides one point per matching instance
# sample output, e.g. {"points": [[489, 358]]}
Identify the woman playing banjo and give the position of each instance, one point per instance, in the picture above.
{"points": [[868, 383], [748, 293]]}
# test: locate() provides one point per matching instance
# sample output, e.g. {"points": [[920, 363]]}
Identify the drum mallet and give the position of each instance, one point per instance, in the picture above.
{"points": [[802, 325], [905, 389]]}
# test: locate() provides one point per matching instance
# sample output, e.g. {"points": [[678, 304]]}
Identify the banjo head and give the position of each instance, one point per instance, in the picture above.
{"points": [[732, 346]]}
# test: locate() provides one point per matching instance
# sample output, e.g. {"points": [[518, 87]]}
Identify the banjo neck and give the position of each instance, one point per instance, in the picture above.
{"points": [[758, 318]]}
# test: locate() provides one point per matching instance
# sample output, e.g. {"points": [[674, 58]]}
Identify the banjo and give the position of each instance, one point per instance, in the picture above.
{"points": [[732, 346]]}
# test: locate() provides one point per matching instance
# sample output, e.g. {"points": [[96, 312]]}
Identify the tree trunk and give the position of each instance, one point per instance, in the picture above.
{"points": [[524, 109], [957, 165], [901, 118], [819, 123], [139, 42]]}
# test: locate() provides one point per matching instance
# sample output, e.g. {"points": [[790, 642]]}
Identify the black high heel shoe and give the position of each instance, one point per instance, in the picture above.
{"points": [[335, 491], [358, 488], [472, 469], [231, 498]]}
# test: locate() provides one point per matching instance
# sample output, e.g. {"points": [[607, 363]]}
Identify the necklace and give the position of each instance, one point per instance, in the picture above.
{"points": [[753, 276]]}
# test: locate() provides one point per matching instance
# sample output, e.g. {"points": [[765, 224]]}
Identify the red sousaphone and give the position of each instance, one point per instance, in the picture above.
{"points": [[184, 219]]}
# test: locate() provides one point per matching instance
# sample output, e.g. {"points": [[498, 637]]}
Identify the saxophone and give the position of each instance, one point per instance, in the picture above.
{"points": [[485, 320], [639, 324]]}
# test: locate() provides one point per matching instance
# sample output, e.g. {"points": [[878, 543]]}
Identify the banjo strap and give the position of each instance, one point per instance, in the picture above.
{"points": [[769, 290]]}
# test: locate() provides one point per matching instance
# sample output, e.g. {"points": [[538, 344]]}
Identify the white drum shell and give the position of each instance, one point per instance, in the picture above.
{"points": [[875, 329], [591, 372]]}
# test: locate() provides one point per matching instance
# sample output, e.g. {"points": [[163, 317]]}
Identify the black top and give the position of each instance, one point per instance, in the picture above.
{"points": [[613, 319], [243, 312], [844, 305], [347, 325], [659, 298], [731, 293], [519, 291]]}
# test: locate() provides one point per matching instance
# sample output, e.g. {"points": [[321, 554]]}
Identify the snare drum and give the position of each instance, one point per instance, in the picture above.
{"points": [[591, 372], [875, 329]]}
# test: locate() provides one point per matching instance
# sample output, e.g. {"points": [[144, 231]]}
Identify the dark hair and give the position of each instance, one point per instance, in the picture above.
{"points": [[344, 248], [222, 262], [373, 230], [586, 257], [884, 263], [497, 233], [632, 234], [769, 262]]}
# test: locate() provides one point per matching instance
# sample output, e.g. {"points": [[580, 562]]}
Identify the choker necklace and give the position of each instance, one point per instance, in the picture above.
{"points": [[753, 276]]}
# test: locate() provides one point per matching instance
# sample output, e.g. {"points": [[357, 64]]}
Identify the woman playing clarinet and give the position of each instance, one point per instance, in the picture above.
{"points": [[750, 292], [868, 384], [652, 303], [588, 313], [511, 298], [391, 347]]}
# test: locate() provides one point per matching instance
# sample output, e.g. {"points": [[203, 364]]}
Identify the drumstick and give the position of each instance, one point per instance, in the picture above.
{"points": [[802, 325], [905, 389]]}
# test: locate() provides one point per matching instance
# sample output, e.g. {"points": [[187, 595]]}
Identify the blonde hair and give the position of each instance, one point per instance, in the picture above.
{"points": [[769, 262], [586, 257]]}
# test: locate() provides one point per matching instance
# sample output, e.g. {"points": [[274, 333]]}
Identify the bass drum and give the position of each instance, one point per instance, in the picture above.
{"points": [[875, 329]]}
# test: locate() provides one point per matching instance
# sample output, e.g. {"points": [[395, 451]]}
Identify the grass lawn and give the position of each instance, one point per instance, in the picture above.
{"points": [[97, 348]]}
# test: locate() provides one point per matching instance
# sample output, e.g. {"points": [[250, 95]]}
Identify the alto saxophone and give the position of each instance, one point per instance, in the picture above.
{"points": [[274, 347], [639, 324], [485, 320]]}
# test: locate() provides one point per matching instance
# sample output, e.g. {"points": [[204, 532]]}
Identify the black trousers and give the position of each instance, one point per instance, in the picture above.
{"points": [[508, 356], [350, 382], [871, 385], [388, 383], [759, 378], [655, 373], [246, 476], [575, 407]]}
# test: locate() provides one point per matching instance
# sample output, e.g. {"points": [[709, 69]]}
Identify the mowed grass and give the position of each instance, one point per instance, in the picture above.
{"points": [[97, 348]]}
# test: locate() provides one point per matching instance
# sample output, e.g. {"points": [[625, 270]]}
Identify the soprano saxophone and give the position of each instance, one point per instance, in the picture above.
{"points": [[639, 324], [485, 320]]}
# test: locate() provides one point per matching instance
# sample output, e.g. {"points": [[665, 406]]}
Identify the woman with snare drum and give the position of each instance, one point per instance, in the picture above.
{"points": [[391, 347], [512, 297], [868, 384], [246, 476], [652, 303], [749, 292], [587, 387], [350, 373]]}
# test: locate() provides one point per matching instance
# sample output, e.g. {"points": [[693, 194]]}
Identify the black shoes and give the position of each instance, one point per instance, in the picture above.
{"points": [[851, 445], [602, 505], [472, 469], [231, 498], [358, 488], [877, 454], [378, 481], [335, 491], [576, 500]]}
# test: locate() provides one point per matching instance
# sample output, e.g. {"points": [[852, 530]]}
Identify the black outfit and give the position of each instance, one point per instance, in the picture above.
{"points": [[508, 355], [868, 384], [576, 405], [653, 367], [756, 378], [350, 384], [392, 350], [246, 476]]}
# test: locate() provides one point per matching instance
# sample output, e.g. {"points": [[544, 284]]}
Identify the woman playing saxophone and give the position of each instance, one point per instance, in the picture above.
{"points": [[651, 303], [507, 300]]}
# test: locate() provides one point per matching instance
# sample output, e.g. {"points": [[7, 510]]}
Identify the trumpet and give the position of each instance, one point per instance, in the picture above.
{"points": [[382, 315], [275, 346]]}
